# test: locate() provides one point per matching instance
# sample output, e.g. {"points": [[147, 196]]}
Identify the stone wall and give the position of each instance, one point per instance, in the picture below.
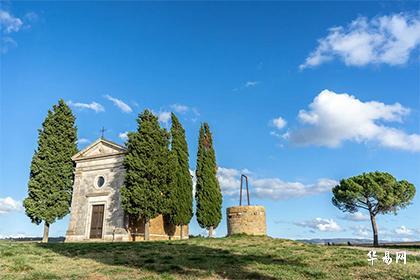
{"points": [[159, 229], [246, 219]]}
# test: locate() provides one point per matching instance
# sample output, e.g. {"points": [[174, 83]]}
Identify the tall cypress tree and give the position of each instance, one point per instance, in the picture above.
{"points": [[146, 165], [51, 173], [208, 195], [181, 197]]}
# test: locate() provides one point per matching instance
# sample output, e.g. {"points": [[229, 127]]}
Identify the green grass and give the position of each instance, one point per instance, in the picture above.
{"points": [[238, 257]]}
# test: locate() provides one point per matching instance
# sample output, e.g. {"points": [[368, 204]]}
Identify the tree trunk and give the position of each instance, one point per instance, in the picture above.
{"points": [[375, 230], [146, 229], [46, 232], [182, 232], [211, 231]]}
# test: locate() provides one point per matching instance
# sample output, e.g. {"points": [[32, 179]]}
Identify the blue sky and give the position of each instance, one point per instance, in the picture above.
{"points": [[298, 96]]}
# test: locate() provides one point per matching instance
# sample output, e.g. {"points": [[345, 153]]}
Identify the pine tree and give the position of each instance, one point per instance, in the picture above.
{"points": [[374, 192], [51, 173], [208, 195], [181, 198], [146, 164]]}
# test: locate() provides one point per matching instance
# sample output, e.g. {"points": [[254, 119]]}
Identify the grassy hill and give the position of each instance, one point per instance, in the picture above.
{"points": [[227, 258]]}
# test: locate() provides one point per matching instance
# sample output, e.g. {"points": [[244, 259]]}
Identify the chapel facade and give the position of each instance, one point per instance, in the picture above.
{"points": [[96, 212]]}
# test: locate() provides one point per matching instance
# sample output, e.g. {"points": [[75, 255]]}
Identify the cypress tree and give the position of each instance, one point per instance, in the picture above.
{"points": [[181, 197], [51, 173], [146, 164], [208, 195]]}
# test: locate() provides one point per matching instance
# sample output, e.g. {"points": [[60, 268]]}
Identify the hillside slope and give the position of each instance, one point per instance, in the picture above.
{"points": [[226, 258]]}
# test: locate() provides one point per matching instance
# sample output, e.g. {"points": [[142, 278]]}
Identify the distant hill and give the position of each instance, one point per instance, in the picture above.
{"points": [[23, 239], [337, 241], [357, 241]]}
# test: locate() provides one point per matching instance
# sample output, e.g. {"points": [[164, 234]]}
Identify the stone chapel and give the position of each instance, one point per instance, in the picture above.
{"points": [[96, 212]]}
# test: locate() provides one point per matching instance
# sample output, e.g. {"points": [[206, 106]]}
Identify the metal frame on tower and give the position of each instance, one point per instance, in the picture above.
{"points": [[247, 190]]}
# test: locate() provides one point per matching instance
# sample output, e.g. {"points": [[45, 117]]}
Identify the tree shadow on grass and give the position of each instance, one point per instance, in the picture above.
{"points": [[176, 258]]}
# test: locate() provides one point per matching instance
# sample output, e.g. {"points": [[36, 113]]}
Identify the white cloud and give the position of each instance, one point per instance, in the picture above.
{"points": [[401, 233], [91, 106], [251, 83], [31, 17], [7, 43], [270, 188], [386, 39], [15, 235], [333, 118], [247, 84], [83, 141], [9, 23], [325, 225], [355, 217], [279, 123], [8, 204], [195, 111], [402, 230], [205, 232], [119, 103], [194, 180], [179, 108], [276, 189], [123, 135], [164, 117], [229, 180], [361, 231], [191, 113]]}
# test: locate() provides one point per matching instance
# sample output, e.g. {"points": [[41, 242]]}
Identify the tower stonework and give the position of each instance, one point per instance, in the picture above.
{"points": [[96, 212], [246, 220]]}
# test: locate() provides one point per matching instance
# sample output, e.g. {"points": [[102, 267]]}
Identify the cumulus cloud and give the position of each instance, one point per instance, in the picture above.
{"points": [[14, 235], [9, 23], [229, 179], [355, 217], [123, 135], [7, 43], [279, 123], [194, 180], [119, 103], [361, 231], [8, 205], [164, 117], [320, 224], [83, 141], [90, 106], [403, 230], [247, 84], [275, 188], [270, 188], [251, 83], [401, 233], [388, 39], [180, 108], [333, 118], [190, 113]]}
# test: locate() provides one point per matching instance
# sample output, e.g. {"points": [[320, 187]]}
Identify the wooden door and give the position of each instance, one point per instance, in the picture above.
{"points": [[97, 221]]}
